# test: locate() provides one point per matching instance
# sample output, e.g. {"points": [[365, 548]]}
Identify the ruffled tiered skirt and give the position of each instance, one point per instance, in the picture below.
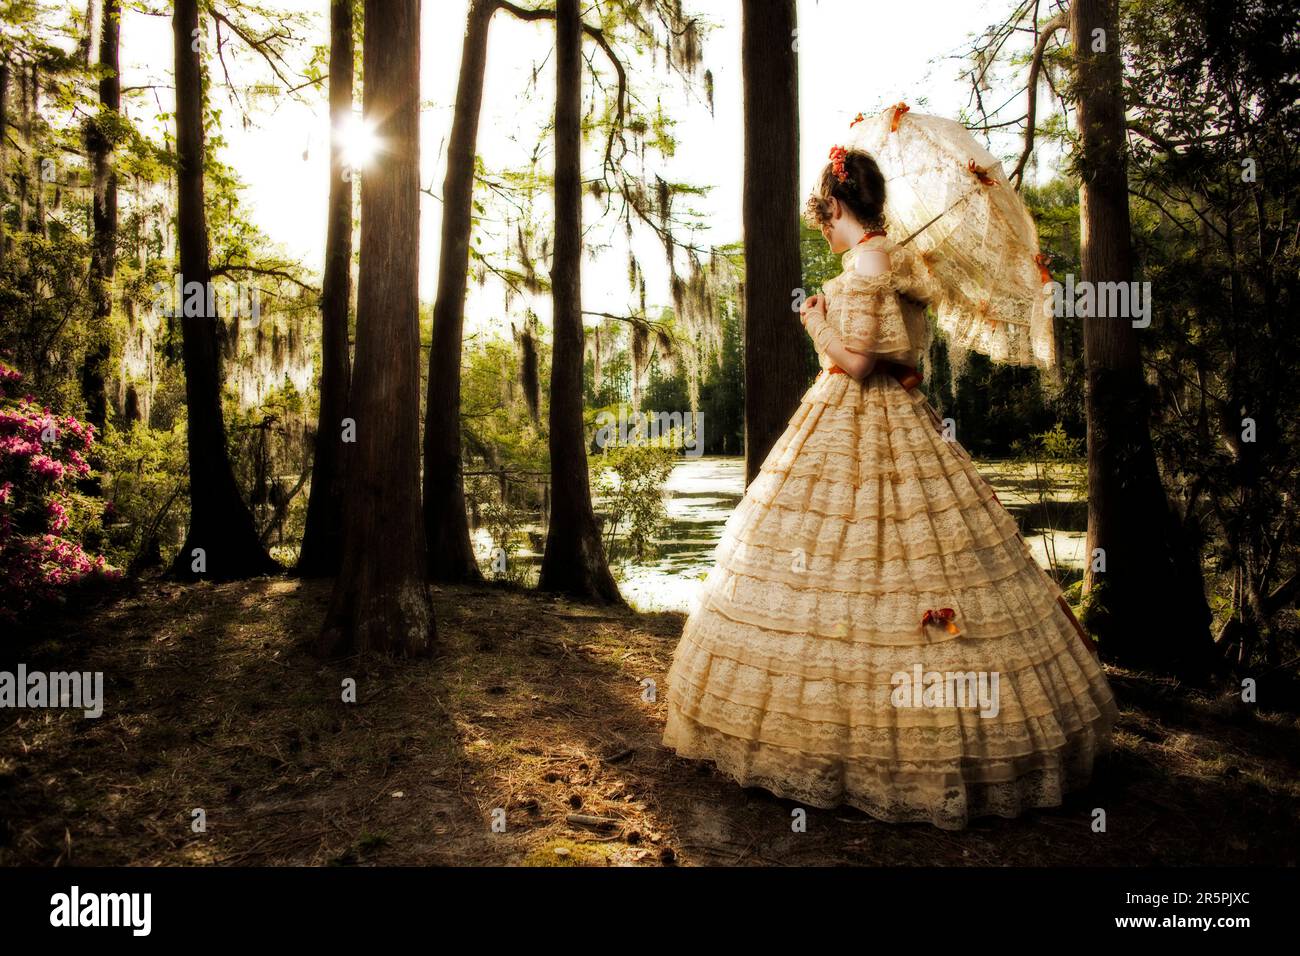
{"points": [[797, 671]]}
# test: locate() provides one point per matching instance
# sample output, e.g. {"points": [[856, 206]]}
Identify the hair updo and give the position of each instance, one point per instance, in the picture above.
{"points": [[862, 192]]}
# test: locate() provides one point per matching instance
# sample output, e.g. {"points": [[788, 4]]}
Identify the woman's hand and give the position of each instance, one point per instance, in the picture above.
{"points": [[814, 304]]}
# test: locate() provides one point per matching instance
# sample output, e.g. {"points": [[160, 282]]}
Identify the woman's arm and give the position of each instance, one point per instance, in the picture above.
{"points": [[855, 364]]}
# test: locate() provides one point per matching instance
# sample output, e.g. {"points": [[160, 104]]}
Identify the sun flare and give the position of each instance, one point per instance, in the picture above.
{"points": [[359, 141]]}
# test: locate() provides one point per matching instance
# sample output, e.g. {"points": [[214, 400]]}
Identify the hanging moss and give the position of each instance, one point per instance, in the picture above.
{"points": [[528, 373], [230, 337], [640, 350]]}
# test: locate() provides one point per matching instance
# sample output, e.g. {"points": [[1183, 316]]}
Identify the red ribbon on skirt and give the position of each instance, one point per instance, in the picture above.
{"points": [[941, 616]]}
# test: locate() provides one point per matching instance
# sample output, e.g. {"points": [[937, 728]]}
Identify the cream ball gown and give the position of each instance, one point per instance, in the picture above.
{"points": [[864, 517]]}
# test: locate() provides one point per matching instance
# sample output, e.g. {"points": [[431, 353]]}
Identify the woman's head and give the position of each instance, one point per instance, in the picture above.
{"points": [[850, 191]]}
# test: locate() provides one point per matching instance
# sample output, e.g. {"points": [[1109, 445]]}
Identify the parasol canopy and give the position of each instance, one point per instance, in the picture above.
{"points": [[948, 195]]}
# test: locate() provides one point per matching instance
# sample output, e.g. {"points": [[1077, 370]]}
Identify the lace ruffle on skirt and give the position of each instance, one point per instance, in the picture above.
{"points": [[862, 519]]}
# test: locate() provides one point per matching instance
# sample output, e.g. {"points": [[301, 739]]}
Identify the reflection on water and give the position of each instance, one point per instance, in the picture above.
{"points": [[702, 493]]}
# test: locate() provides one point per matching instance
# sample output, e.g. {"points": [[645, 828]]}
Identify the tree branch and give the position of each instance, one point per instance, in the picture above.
{"points": [[1058, 22]]}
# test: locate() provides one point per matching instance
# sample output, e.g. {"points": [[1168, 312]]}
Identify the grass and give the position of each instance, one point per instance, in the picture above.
{"points": [[534, 708]]}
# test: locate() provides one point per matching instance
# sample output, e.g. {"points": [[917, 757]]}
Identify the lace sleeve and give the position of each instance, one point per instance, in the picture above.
{"points": [[866, 312], [912, 277], [820, 331]]}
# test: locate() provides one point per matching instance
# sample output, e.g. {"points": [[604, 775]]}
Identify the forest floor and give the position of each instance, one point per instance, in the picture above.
{"points": [[534, 707]]}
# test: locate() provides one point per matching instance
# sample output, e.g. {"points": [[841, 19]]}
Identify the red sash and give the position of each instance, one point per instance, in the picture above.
{"points": [[905, 375]]}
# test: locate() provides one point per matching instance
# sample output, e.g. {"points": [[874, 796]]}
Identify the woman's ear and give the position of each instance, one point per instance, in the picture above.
{"points": [[837, 209]]}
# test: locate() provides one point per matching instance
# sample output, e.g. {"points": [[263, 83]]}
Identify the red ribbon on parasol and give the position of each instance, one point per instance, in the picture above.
{"points": [[981, 174], [899, 109], [1041, 261]]}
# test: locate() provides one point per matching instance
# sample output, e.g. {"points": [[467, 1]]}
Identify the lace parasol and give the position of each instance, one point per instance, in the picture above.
{"points": [[948, 195]]}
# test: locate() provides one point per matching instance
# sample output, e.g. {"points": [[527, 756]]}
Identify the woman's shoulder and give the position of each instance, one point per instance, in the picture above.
{"points": [[851, 280]]}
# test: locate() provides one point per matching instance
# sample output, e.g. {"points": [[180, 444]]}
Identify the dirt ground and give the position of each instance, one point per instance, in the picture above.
{"points": [[535, 708]]}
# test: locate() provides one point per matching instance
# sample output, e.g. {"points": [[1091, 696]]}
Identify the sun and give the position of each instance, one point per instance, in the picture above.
{"points": [[359, 141]]}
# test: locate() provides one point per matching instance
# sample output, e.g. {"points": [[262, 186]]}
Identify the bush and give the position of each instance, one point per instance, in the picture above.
{"points": [[629, 481], [43, 516], [146, 483]]}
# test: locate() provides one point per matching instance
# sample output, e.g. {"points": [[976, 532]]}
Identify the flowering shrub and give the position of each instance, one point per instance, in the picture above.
{"points": [[42, 515]]}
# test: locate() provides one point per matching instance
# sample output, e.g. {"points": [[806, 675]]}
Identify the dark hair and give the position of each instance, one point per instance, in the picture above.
{"points": [[862, 191]]}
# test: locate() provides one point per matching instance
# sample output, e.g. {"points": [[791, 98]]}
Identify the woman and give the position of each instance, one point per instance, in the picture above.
{"points": [[876, 632]]}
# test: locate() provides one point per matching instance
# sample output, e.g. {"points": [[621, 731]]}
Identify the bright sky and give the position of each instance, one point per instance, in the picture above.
{"points": [[854, 56]]}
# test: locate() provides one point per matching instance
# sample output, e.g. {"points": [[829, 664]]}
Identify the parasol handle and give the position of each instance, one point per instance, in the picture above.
{"points": [[945, 212]]}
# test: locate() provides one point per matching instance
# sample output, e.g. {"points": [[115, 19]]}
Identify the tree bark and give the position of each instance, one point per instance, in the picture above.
{"points": [[1148, 607], [87, 44], [4, 158], [103, 249], [451, 558], [322, 537], [775, 374], [221, 526], [33, 173], [381, 601], [574, 561]]}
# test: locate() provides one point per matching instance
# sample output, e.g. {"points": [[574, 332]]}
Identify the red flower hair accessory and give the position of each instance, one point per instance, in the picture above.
{"points": [[838, 155]]}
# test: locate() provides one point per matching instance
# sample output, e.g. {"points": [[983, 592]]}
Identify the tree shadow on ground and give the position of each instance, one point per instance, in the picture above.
{"points": [[531, 739]]}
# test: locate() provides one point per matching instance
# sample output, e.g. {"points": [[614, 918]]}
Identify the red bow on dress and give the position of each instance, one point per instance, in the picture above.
{"points": [[943, 616]]}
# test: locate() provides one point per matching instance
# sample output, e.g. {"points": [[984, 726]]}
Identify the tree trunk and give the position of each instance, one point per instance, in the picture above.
{"points": [[103, 249], [322, 537], [381, 602], [221, 526], [86, 46], [775, 374], [574, 562], [451, 558], [1148, 607], [4, 159], [32, 183]]}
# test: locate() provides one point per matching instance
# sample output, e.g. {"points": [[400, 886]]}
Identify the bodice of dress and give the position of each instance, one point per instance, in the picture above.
{"points": [[870, 313]]}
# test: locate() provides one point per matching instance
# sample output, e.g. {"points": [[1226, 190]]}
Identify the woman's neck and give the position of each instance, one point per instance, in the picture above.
{"points": [[854, 233]]}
